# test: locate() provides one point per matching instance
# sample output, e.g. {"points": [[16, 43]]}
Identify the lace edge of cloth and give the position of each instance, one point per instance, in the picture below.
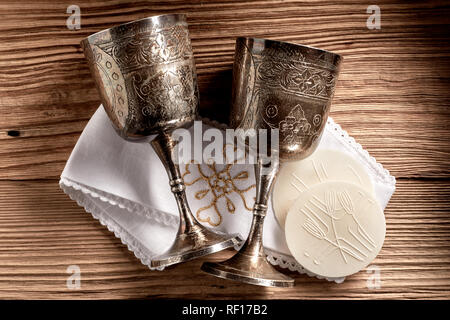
{"points": [[82, 196]]}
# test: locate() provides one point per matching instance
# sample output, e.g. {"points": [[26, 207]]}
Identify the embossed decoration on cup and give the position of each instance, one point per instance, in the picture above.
{"points": [[145, 73], [285, 86], [276, 85]]}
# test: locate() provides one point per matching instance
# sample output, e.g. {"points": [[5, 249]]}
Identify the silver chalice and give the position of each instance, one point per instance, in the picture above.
{"points": [[145, 73], [285, 87]]}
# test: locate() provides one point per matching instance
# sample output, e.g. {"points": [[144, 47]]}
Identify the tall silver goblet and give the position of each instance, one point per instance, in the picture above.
{"points": [[276, 85], [145, 73]]}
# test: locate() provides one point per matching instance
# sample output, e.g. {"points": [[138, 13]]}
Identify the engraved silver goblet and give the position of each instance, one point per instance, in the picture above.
{"points": [[145, 73], [284, 86]]}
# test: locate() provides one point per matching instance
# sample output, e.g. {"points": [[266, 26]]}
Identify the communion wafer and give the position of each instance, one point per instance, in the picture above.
{"points": [[334, 229], [322, 165]]}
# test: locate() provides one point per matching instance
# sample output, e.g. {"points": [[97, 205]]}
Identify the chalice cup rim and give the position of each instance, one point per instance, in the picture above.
{"points": [[176, 17], [293, 45]]}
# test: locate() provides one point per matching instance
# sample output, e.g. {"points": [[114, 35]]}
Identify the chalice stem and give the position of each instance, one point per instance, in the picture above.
{"points": [[250, 264], [164, 147], [265, 173], [192, 239]]}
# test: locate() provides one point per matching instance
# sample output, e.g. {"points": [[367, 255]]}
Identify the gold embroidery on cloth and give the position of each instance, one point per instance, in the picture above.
{"points": [[221, 184]]}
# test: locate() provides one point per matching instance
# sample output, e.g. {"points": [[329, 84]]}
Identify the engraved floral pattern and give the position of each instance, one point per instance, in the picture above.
{"points": [[295, 127], [282, 76], [167, 92], [149, 72], [149, 48], [297, 79]]}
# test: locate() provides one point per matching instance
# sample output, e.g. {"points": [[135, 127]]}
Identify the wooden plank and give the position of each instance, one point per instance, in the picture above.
{"points": [[392, 96], [393, 86], [42, 232]]}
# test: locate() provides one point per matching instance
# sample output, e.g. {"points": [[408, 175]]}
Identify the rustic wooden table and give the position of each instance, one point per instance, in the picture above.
{"points": [[393, 97]]}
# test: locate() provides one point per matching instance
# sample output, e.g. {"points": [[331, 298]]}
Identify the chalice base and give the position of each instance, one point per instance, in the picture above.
{"points": [[249, 269], [194, 244]]}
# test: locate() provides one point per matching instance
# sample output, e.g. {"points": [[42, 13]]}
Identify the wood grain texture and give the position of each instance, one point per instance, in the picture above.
{"points": [[37, 246], [393, 97]]}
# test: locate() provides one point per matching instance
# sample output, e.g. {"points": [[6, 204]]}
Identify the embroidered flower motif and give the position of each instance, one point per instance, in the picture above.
{"points": [[218, 186]]}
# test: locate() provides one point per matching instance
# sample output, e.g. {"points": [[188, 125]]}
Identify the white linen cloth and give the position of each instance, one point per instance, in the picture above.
{"points": [[125, 186]]}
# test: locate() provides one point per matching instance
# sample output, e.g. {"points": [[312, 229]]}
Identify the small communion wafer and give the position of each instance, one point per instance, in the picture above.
{"points": [[335, 229], [322, 165]]}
